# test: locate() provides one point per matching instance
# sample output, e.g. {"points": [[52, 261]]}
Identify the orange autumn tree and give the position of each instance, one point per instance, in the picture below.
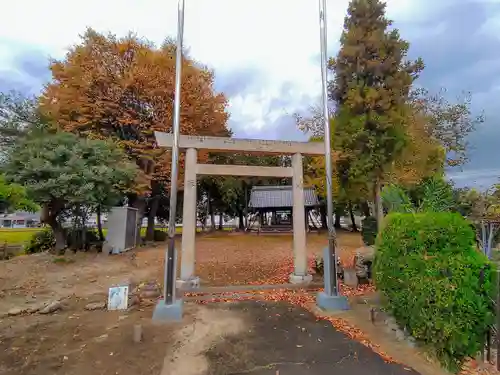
{"points": [[123, 89]]}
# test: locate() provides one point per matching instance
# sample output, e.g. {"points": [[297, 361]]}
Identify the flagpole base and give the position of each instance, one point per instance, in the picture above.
{"points": [[164, 313], [332, 303]]}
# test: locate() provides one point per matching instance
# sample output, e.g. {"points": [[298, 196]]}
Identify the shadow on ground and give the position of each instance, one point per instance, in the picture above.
{"points": [[288, 340]]}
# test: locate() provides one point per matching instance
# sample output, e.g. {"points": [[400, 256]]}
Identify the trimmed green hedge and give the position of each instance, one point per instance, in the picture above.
{"points": [[436, 283]]}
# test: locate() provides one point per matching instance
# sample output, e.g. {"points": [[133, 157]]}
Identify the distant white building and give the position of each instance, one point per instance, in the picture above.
{"points": [[20, 219]]}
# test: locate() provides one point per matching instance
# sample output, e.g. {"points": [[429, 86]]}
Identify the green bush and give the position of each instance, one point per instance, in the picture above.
{"points": [[369, 230], [436, 283], [160, 235], [41, 241], [45, 240], [76, 241], [319, 266]]}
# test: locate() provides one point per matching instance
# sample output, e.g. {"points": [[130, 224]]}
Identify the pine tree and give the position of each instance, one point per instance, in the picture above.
{"points": [[372, 83]]}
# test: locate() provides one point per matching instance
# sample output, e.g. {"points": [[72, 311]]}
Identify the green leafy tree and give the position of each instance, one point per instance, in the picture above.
{"points": [[372, 84], [432, 195], [61, 171], [482, 208], [19, 116], [14, 197], [450, 123]]}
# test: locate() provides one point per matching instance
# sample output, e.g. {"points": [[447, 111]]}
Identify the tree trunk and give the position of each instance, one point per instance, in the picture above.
{"points": [[60, 237], [245, 211], [338, 215], [322, 213], [377, 199], [365, 208], [211, 213], [241, 223], [140, 204], [59, 234], [153, 209], [353, 219], [221, 222], [48, 216], [72, 237], [99, 223], [85, 246]]}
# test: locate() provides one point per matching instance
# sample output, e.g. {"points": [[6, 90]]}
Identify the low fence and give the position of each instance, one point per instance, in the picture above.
{"points": [[491, 349], [8, 251]]}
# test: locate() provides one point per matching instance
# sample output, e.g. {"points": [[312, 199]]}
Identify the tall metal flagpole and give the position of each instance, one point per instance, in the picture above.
{"points": [[170, 259], [328, 152]]}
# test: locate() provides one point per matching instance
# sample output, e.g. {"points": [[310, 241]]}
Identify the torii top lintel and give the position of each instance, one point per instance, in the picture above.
{"points": [[223, 144]]}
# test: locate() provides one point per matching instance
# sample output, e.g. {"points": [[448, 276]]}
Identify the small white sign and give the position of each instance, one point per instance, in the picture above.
{"points": [[118, 298]]}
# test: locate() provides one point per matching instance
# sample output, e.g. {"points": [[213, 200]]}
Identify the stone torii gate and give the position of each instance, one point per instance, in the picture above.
{"points": [[191, 145]]}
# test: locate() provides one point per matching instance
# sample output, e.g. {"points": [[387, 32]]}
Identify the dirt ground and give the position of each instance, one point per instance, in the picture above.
{"points": [[221, 259], [74, 341], [77, 342]]}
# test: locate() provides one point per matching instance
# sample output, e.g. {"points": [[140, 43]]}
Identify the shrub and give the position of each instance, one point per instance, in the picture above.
{"points": [[41, 241], [369, 230], [319, 266], [160, 235], [76, 241], [45, 240], [435, 282]]}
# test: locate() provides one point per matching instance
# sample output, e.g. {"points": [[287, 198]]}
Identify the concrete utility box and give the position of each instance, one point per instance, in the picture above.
{"points": [[122, 230]]}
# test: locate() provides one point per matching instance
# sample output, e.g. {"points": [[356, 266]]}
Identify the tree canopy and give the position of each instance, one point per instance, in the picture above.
{"points": [[13, 197], [62, 170], [372, 83], [123, 89]]}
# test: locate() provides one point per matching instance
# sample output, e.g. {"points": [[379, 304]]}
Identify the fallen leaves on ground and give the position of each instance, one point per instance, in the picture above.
{"points": [[472, 367], [278, 273], [305, 299]]}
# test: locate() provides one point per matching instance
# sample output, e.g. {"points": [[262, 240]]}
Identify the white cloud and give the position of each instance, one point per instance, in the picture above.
{"points": [[480, 178], [279, 37]]}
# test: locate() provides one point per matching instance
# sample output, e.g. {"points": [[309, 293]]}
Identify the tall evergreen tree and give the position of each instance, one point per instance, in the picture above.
{"points": [[371, 87]]}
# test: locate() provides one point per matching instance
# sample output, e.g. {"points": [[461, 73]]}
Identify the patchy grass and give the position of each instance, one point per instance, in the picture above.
{"points": [[21, 236], [62, 260], [17, 236]]}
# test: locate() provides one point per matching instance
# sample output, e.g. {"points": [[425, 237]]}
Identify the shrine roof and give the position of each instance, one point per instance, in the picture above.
{"points": [[280, 197]]}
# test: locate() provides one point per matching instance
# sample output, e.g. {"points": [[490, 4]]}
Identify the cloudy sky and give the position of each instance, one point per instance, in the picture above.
{"points": [[266, 53]]}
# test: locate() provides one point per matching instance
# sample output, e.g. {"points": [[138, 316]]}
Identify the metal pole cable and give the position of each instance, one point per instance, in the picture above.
{"points": [[170, 259], [328, 150]]}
